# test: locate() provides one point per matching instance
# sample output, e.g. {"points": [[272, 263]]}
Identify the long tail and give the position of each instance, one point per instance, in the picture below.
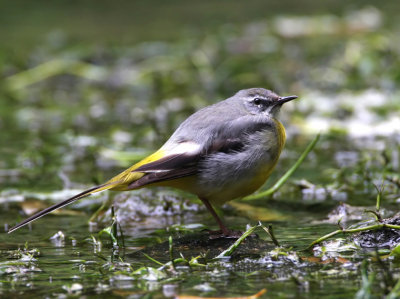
{"points": [[121, 182], [88, 192]]}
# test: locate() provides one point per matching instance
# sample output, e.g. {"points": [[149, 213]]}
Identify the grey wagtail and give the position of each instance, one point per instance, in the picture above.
{"points": [[221, 152]]}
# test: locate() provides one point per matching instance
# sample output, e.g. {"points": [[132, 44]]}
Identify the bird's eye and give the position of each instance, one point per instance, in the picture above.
{"points": [[257, 101]]}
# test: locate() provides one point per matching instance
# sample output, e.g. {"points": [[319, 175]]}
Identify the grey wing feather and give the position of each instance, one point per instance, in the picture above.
{"points": [[154, 177], [224, 137]]}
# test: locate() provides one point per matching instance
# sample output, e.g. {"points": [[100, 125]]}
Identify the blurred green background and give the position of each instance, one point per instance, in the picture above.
{"points": [[26, 23], [88, 87], [125, 74]]}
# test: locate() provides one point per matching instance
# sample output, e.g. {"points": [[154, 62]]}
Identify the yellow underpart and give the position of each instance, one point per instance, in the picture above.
{"points": [[281, 135], [266, 170]]}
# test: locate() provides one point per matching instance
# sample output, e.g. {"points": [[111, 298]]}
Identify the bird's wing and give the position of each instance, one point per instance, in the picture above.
{"points": [[183, 158], [182, 155], [177, 162]]}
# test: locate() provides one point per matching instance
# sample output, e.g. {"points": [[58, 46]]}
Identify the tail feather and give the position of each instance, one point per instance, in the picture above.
{"points": [[120, 182], [63, 204]]}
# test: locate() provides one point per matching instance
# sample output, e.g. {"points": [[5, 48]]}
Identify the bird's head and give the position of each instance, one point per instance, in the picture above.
{"points": [[262, 101]]}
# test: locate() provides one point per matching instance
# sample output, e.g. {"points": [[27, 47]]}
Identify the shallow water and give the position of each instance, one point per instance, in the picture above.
{"points": [[75, 265], [77, 260], [77, 107]]}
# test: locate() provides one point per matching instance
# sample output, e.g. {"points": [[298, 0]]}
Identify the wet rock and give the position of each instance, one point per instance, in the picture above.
{"points": [[380, 238], [194, 244], [135, 206], [344, 213]]}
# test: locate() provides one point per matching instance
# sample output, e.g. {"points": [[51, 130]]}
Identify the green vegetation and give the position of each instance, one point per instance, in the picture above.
{"points": [[88, 90]]}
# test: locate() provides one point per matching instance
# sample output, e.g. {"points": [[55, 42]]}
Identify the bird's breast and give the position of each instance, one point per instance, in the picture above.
{"points": [[226, 176]]}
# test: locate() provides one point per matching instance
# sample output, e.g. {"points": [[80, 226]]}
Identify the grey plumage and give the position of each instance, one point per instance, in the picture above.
{"points": [[223, 151], [231, 139]]}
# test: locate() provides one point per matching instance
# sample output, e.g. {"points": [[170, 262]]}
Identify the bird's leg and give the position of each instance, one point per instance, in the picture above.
{"points": [[225, 231]]}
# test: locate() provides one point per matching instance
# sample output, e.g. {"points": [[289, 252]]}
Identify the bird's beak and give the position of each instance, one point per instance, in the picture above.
{"points": [[282, 100]]}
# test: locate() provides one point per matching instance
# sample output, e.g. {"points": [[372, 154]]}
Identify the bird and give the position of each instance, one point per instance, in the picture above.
{"points": [[221, 152]]}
